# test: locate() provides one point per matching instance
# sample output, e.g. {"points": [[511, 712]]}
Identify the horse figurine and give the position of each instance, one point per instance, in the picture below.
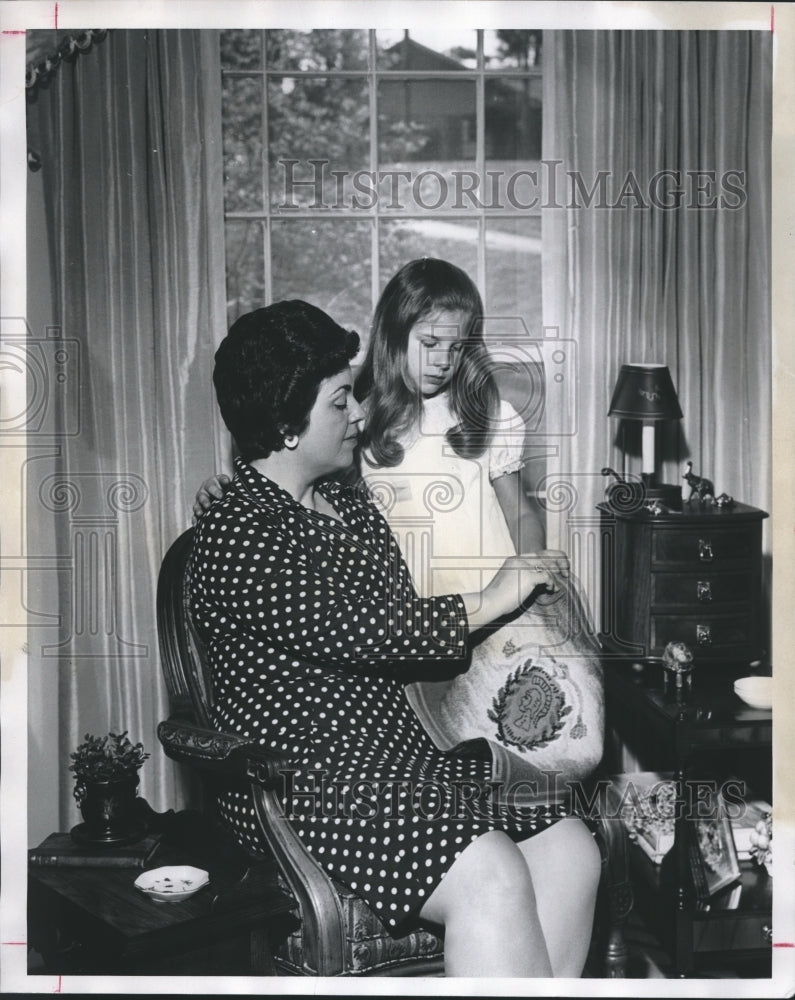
{"points": [[700, 486]]}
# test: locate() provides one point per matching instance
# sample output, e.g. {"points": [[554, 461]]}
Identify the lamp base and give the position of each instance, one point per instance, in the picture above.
{"points": [[666, 493]]}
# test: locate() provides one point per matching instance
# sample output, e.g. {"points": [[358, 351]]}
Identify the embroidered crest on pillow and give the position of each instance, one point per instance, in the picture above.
{"points": [[529, 708]]}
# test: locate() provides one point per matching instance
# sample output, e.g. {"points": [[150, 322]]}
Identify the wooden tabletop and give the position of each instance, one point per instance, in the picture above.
{"points": [[102, 907]]}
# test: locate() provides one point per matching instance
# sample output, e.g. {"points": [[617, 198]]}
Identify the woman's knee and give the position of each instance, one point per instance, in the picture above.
{"points": [[490, 874], [579, 844], [566, 851]]}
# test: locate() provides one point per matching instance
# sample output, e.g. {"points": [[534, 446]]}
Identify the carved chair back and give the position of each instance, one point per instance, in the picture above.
{"points": [[182, 652]]}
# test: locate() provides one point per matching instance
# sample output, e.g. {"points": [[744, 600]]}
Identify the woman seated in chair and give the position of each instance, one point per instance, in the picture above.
{"points": [[313, 626]]}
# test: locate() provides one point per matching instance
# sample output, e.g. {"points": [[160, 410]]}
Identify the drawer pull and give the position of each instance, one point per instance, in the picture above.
{"points": [[767, 933], [703, 635], [705, 553], [704, 591]]}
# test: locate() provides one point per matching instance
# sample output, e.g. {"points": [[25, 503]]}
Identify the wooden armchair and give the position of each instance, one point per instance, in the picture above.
{"points": [[337, 934]]}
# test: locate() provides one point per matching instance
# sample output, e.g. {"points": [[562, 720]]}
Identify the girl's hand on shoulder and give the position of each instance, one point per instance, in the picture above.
{"points": [[211, 489]]}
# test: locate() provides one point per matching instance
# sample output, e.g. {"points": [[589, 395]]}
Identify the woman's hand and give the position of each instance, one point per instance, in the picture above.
{"points": [[211, 489], [514, 582], [556, 560]]}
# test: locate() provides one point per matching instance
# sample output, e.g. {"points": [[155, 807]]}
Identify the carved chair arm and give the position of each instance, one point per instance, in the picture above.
{"points": [[218, 753], [613, 836], [609, 952], [227, 755]]}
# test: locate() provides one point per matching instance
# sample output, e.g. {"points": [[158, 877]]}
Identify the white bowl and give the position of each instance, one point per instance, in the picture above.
{"points": [[755, 691], [173, 883]]}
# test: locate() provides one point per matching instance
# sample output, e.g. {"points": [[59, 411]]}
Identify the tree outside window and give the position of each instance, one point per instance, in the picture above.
{"points": [[349, 152]]}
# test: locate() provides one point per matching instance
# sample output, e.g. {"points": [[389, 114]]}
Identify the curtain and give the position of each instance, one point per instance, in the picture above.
{"points": [[655, 276], [129, 138]]}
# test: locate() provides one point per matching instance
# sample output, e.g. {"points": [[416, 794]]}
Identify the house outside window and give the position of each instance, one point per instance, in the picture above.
{"points": [[349, 152]]}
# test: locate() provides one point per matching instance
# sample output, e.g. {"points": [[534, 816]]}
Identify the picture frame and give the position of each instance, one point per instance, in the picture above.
{"points": [[714, 863]]}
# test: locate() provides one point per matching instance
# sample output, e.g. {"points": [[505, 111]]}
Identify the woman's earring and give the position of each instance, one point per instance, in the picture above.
{"points": [[291, 441]]}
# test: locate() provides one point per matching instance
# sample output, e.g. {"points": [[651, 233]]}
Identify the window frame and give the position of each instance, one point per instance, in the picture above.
{"points": [[376, 214]]}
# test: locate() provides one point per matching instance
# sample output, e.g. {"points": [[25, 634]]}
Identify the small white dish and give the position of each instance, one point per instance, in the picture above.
{"points": [[173, 883], [755, 691]]}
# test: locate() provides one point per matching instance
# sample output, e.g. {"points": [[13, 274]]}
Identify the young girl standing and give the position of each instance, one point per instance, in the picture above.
{"points": [[443, 452], [443, 455]]}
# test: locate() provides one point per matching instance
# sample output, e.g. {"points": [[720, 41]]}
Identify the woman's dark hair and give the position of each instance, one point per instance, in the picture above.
{"points": [[420, 288], [268, 370]]}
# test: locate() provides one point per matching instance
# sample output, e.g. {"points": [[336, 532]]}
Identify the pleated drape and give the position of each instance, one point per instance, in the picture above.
{"points": [[130, 142], [686, 285]]}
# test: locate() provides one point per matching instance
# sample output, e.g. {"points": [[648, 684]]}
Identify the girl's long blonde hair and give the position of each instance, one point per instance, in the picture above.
{"points": [[394, 403]]}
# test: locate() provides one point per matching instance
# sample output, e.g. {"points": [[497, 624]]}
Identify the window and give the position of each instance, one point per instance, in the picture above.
{"points": [[349, 152]]}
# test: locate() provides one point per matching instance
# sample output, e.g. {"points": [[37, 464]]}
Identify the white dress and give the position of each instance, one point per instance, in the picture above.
{"points": [[443, 508], [533, 688]]}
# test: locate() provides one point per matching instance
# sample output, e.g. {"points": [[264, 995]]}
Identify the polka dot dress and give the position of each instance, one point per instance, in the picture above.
{"points": [[311, 623]]}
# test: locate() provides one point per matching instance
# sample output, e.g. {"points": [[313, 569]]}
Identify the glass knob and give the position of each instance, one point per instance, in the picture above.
{"points": [[703, 635], [704, 591]]}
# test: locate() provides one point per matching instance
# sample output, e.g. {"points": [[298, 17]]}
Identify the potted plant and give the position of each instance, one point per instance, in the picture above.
{"points": [[106, 785]]}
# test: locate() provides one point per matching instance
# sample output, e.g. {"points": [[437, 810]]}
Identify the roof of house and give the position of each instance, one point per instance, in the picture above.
{"points": [[414, 55]]}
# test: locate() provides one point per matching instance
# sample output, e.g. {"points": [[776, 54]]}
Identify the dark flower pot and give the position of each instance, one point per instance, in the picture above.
{"points": [[109, 811]]}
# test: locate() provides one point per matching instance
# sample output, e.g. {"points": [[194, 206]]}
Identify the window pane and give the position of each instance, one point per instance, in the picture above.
{"points": [[512, 49], [426, 119], [318, 50], [513, 143], [513, 270], [410, 239], [241, 49], [245, 268], [326, 263], [513, 118], [322, 119], [426, 128], [242, 128], [426, 49]]}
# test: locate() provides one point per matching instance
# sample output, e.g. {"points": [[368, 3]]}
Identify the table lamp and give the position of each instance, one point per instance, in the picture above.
{"points": [[646, 392]]}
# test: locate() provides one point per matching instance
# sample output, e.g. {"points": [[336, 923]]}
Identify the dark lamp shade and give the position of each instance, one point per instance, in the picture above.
{"points": [[645, 392]]}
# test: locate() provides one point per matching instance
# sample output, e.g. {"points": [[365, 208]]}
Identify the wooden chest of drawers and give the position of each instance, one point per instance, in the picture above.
{"points": [[694, 576]]}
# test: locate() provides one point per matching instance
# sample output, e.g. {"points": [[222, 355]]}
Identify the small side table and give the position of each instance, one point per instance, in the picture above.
{"points": [[689, 736], [94, 920]]}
